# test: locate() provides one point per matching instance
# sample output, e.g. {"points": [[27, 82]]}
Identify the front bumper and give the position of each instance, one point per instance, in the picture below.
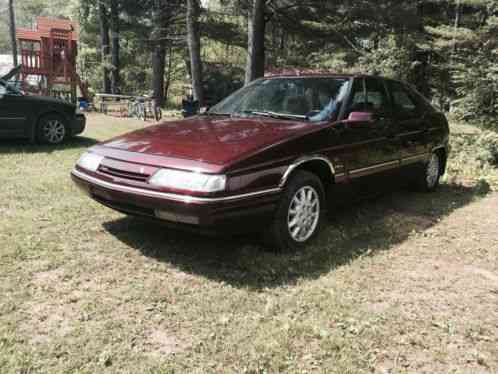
{"points": [[238, 213], [78, 124]]}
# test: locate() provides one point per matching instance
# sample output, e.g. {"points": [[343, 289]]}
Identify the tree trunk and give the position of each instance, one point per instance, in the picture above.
{"points": [[457, 23], [255, 67], [158, 48], [194, 46], [158, 67], [115, 72], [168, 74], [12, 25], [104, 47]]}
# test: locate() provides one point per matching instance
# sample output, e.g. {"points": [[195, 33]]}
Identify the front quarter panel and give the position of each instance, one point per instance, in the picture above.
{"points": [[266, 169]]}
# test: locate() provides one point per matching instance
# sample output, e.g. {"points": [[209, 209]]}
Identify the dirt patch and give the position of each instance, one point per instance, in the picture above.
{"points": [[48, 278], [46, 322], [162, 343]]}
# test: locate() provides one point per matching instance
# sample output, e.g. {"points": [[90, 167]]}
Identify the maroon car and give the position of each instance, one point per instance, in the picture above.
{"points": [[271, 156]]}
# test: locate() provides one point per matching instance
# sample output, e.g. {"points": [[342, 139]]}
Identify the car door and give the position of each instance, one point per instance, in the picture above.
{"points": [[13, 118], [371, 149], [409, 117]]}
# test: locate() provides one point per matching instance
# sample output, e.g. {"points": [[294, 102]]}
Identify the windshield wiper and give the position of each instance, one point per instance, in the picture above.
{"points": [[273, 114], [217, 114]]}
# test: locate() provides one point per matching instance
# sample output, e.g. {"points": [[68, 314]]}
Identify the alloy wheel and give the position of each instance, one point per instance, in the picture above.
{"points": [[54, 131], [303, 214]]}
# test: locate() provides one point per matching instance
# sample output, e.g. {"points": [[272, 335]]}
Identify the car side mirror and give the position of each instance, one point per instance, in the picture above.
{"points": [[361, 117]]}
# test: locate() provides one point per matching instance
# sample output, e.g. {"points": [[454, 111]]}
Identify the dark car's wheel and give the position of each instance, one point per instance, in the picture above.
{"points": [[428, 179], [299, 214], [52, 129]]}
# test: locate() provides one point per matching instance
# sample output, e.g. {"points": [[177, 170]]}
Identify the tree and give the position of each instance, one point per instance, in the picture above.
{"points": [[167, 31], [115, 61], [194, 45], [104, 46], [12, 30], [255, 66]]}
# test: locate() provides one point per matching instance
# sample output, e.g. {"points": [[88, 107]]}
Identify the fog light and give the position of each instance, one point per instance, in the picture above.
{"points": [[175, 217]]}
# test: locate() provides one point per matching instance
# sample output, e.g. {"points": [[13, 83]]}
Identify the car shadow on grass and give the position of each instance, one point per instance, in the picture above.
{"points": [[13, 146], [363, 228]]}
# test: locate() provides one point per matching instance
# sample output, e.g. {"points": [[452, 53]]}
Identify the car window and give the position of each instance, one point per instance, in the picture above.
{"points": [[3, 90], [314, 99], [358, 99], [377, 99], [401, 99], [420, 100]]}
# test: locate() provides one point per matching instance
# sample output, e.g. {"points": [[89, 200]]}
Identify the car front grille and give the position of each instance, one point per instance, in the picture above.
{"points": [[124, 174]]}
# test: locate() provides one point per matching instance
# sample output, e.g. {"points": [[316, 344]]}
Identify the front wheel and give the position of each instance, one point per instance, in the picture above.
{"points": [[299, 214], [52, 129]]}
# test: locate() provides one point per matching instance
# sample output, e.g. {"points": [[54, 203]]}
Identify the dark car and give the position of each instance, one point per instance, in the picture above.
{"points": [[272, 156], [42, 119]]}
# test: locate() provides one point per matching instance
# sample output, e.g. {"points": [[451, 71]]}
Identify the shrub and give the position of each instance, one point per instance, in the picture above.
{"points": [[487, 145]]}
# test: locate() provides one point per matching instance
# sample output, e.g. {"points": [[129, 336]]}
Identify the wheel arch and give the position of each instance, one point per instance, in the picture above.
{"points": [[319, 165]]}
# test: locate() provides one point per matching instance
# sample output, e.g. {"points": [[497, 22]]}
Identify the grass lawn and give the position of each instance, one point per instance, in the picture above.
{"points": [[407, 282]]}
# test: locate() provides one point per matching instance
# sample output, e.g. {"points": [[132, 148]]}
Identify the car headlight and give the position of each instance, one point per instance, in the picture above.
{"points": [[90, 161], [188, 181]]}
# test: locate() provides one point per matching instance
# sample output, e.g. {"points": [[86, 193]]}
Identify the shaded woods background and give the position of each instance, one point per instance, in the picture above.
{"points": [[447, 48]]}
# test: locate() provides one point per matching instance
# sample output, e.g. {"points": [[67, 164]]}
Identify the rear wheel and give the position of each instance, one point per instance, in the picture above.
{"points": [[52, 129], [428, 179], [299, 214]]}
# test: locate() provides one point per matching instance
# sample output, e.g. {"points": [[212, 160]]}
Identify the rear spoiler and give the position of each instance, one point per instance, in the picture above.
{"points": [[11, 74]]}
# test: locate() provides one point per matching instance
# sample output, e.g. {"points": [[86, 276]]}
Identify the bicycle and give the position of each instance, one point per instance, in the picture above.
{"points": [[136, 108]]}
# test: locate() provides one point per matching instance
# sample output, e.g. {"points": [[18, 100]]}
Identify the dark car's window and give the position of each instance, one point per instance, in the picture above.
{"points": [[377, 99], [421, 101], [3, 89], [314, 99], [403, 103], [7, 88]]}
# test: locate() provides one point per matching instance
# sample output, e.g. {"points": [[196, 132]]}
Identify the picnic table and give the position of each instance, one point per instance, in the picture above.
{"points": [[141, 107]]}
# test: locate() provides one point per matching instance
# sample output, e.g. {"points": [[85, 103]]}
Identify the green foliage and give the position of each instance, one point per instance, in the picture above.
{"points": [[449, 52], [219, 83], [487, 148], [476, 79], [391, 58]]}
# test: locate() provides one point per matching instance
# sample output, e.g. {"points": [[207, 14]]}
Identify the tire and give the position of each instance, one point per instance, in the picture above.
{"points": [[52, 129], [428, 179], [295, 225]]}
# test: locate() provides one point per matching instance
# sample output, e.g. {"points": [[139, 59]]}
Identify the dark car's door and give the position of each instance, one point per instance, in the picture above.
{"points": [[371, 146], [411, 127], [13, 117]]}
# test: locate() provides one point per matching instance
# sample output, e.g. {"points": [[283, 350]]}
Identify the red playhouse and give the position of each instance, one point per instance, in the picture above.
{"points": [[48, 58]]}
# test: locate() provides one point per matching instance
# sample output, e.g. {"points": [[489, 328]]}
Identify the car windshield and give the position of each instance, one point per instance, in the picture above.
{"points": [[6, 87], [308, 99]]}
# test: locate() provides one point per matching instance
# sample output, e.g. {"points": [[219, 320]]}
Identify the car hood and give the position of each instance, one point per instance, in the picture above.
{"points": [[211, 140]]}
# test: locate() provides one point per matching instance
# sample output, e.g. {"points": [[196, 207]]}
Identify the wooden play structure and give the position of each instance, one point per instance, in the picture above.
{"points": [[48, 58]]}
